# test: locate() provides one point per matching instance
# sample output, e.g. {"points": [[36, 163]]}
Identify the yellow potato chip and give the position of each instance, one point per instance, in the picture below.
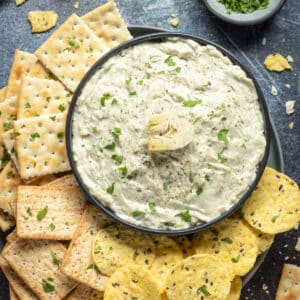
{"points": [[201, 276], [116, 245], [263, 240], [167, 255], [186, 245], [131, 282], [42, 21], [232, 242], [236, 288], [277, 63], [19, 2], [274, 206]]}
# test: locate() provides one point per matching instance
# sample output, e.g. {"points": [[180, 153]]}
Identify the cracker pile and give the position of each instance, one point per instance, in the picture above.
{"points": [[64, 248]]}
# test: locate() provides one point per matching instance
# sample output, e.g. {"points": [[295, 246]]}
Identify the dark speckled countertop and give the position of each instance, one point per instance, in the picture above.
{"points": [[282, 34]]}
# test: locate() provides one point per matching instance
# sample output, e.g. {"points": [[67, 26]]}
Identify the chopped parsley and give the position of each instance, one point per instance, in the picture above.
{"points": [[274, 218], [110, 146], [55, 260], [132, 93], [227, 240], [175, 71], [244, 6], [128, 81], [94, 129], [61, 107], [199, 190], [203, 289], [235, 259], [221, 156], [48, 287], [33, 136], [111, 188], [73, 43], [191, 103], [117, 158], [42, 213], [104, 97], [48, 99], [51, 226], [207, 178], [166, 185], [29, 212], [60, 135], [169, 61], [185, 216], [152, 207], [52, 118], [123, 170], [140, 82], [114, 101], [27, 105], [222, 135], [8, 126], [223, 119], [116, 134], [135, 255], [137, 213]]}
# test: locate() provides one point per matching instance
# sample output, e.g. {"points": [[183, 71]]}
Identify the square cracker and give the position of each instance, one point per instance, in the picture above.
{"points": [[24, 64], [39, 96], [18, 285], [33, 262], [81, 292], [9, 181], [65, 207], [71, 51], [3, 94], [108, 24], [64, 182], [40, 145], [79, 254], [289, 284]]}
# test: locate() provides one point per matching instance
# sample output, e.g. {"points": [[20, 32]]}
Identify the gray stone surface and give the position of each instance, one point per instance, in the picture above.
{"points": [[282, 34]]}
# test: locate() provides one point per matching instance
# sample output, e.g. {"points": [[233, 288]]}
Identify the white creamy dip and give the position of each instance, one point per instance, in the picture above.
{"points": [[174, 189]]}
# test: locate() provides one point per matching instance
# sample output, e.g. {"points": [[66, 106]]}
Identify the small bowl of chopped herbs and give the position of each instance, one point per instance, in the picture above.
{"points": [[244, 12]]}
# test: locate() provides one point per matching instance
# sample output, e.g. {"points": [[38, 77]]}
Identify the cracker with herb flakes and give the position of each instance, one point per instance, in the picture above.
{"points": [[39, 96], [232, 242], [8, 138], [49, 213], [201, 276], [37, 263], [71, 51], [18, 285], [6, 221], [40, 145], [167, 255], [116, 245], [274, 205], [42, 21], [108, 24], [78, 262], [235, 289], [131, 282]]}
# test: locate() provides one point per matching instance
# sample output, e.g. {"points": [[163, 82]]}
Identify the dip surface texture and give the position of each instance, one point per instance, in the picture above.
{"points": [[172, 189]]}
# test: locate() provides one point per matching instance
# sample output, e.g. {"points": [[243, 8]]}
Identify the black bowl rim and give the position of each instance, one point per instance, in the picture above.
{"points": [[255, 21], [109, 212]]}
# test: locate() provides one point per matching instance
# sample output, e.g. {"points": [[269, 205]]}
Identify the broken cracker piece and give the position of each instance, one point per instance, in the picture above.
{"points": [[19, 2], [277, 63], [289, 106], [42, 21], [76, 5], [174, 22], [274, 91], [291, 125]]}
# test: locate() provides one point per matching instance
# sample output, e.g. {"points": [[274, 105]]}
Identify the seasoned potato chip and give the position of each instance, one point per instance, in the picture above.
{"points": [[131, 282], [277, 63], [264, 240], [235, 290], [275, 204], [232, 242], [42, 21], [116, 245], [168, 132], [96, 295], [167, 255], [201, 276], [185, 244]]}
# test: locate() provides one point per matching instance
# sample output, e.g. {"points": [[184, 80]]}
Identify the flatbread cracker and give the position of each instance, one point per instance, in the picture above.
{"points": [[274, 205], [40, 145], [12, 294], [18, 285], [9, 143], [289, 284], [263, 240], [11, 237], [9, 181], [81, 292], [78, 262], [235, 289], [37, 263], [108, 24], [61, 210], [65, 181], [39, 96], [42, 21], [3, 94], [71, 51]]}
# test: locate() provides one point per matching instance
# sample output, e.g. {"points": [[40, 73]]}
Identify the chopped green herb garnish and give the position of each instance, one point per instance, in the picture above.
{"points": [[207, 178], [94, 129], [148, 76], [161, 72], [42, 213], [221, 157], [51, 226], [128, 81], [111, 188], [203, 289], [199, 189], [191, 103], [140, 82], [33, 136], [110, 146], [244, 6], [152, 207], [53, 118], [169, 61], [274, 218], [73, 43], [60, 135], [132, 93], [123, 170], [91, 49], [175, 71], [17, 133], [29, 212], [27, 105], [116, 134], [114, 101], [137, 213], [185, 216], [166, 185], [55, 260], [48, 288], [223, 119], [104, 97], [61, 107], [117, 158], [8, 126], [135, 255], [48, 99], [91, 266], [50, 279], [228, 240], [235, 259], [222, 135], [244, 146]]}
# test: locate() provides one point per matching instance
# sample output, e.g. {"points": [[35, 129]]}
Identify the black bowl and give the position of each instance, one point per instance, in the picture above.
{"points": [[158, 37]]}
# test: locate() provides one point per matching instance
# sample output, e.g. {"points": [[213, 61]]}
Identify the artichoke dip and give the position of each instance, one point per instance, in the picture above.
{"points": [[168, 134]]}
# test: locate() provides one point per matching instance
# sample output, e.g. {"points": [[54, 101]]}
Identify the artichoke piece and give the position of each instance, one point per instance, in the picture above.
{"points": [[169, 132]]}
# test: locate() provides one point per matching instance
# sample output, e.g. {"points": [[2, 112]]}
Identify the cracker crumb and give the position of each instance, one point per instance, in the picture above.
{"points": [[175, 22], [173, 15], [289, 106], [264, 41], [297, 246], [287, 258], [264, 287], [274, 91], [76, 4], [291, 125], [290, 58], [296, 227], [287, 85]]}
